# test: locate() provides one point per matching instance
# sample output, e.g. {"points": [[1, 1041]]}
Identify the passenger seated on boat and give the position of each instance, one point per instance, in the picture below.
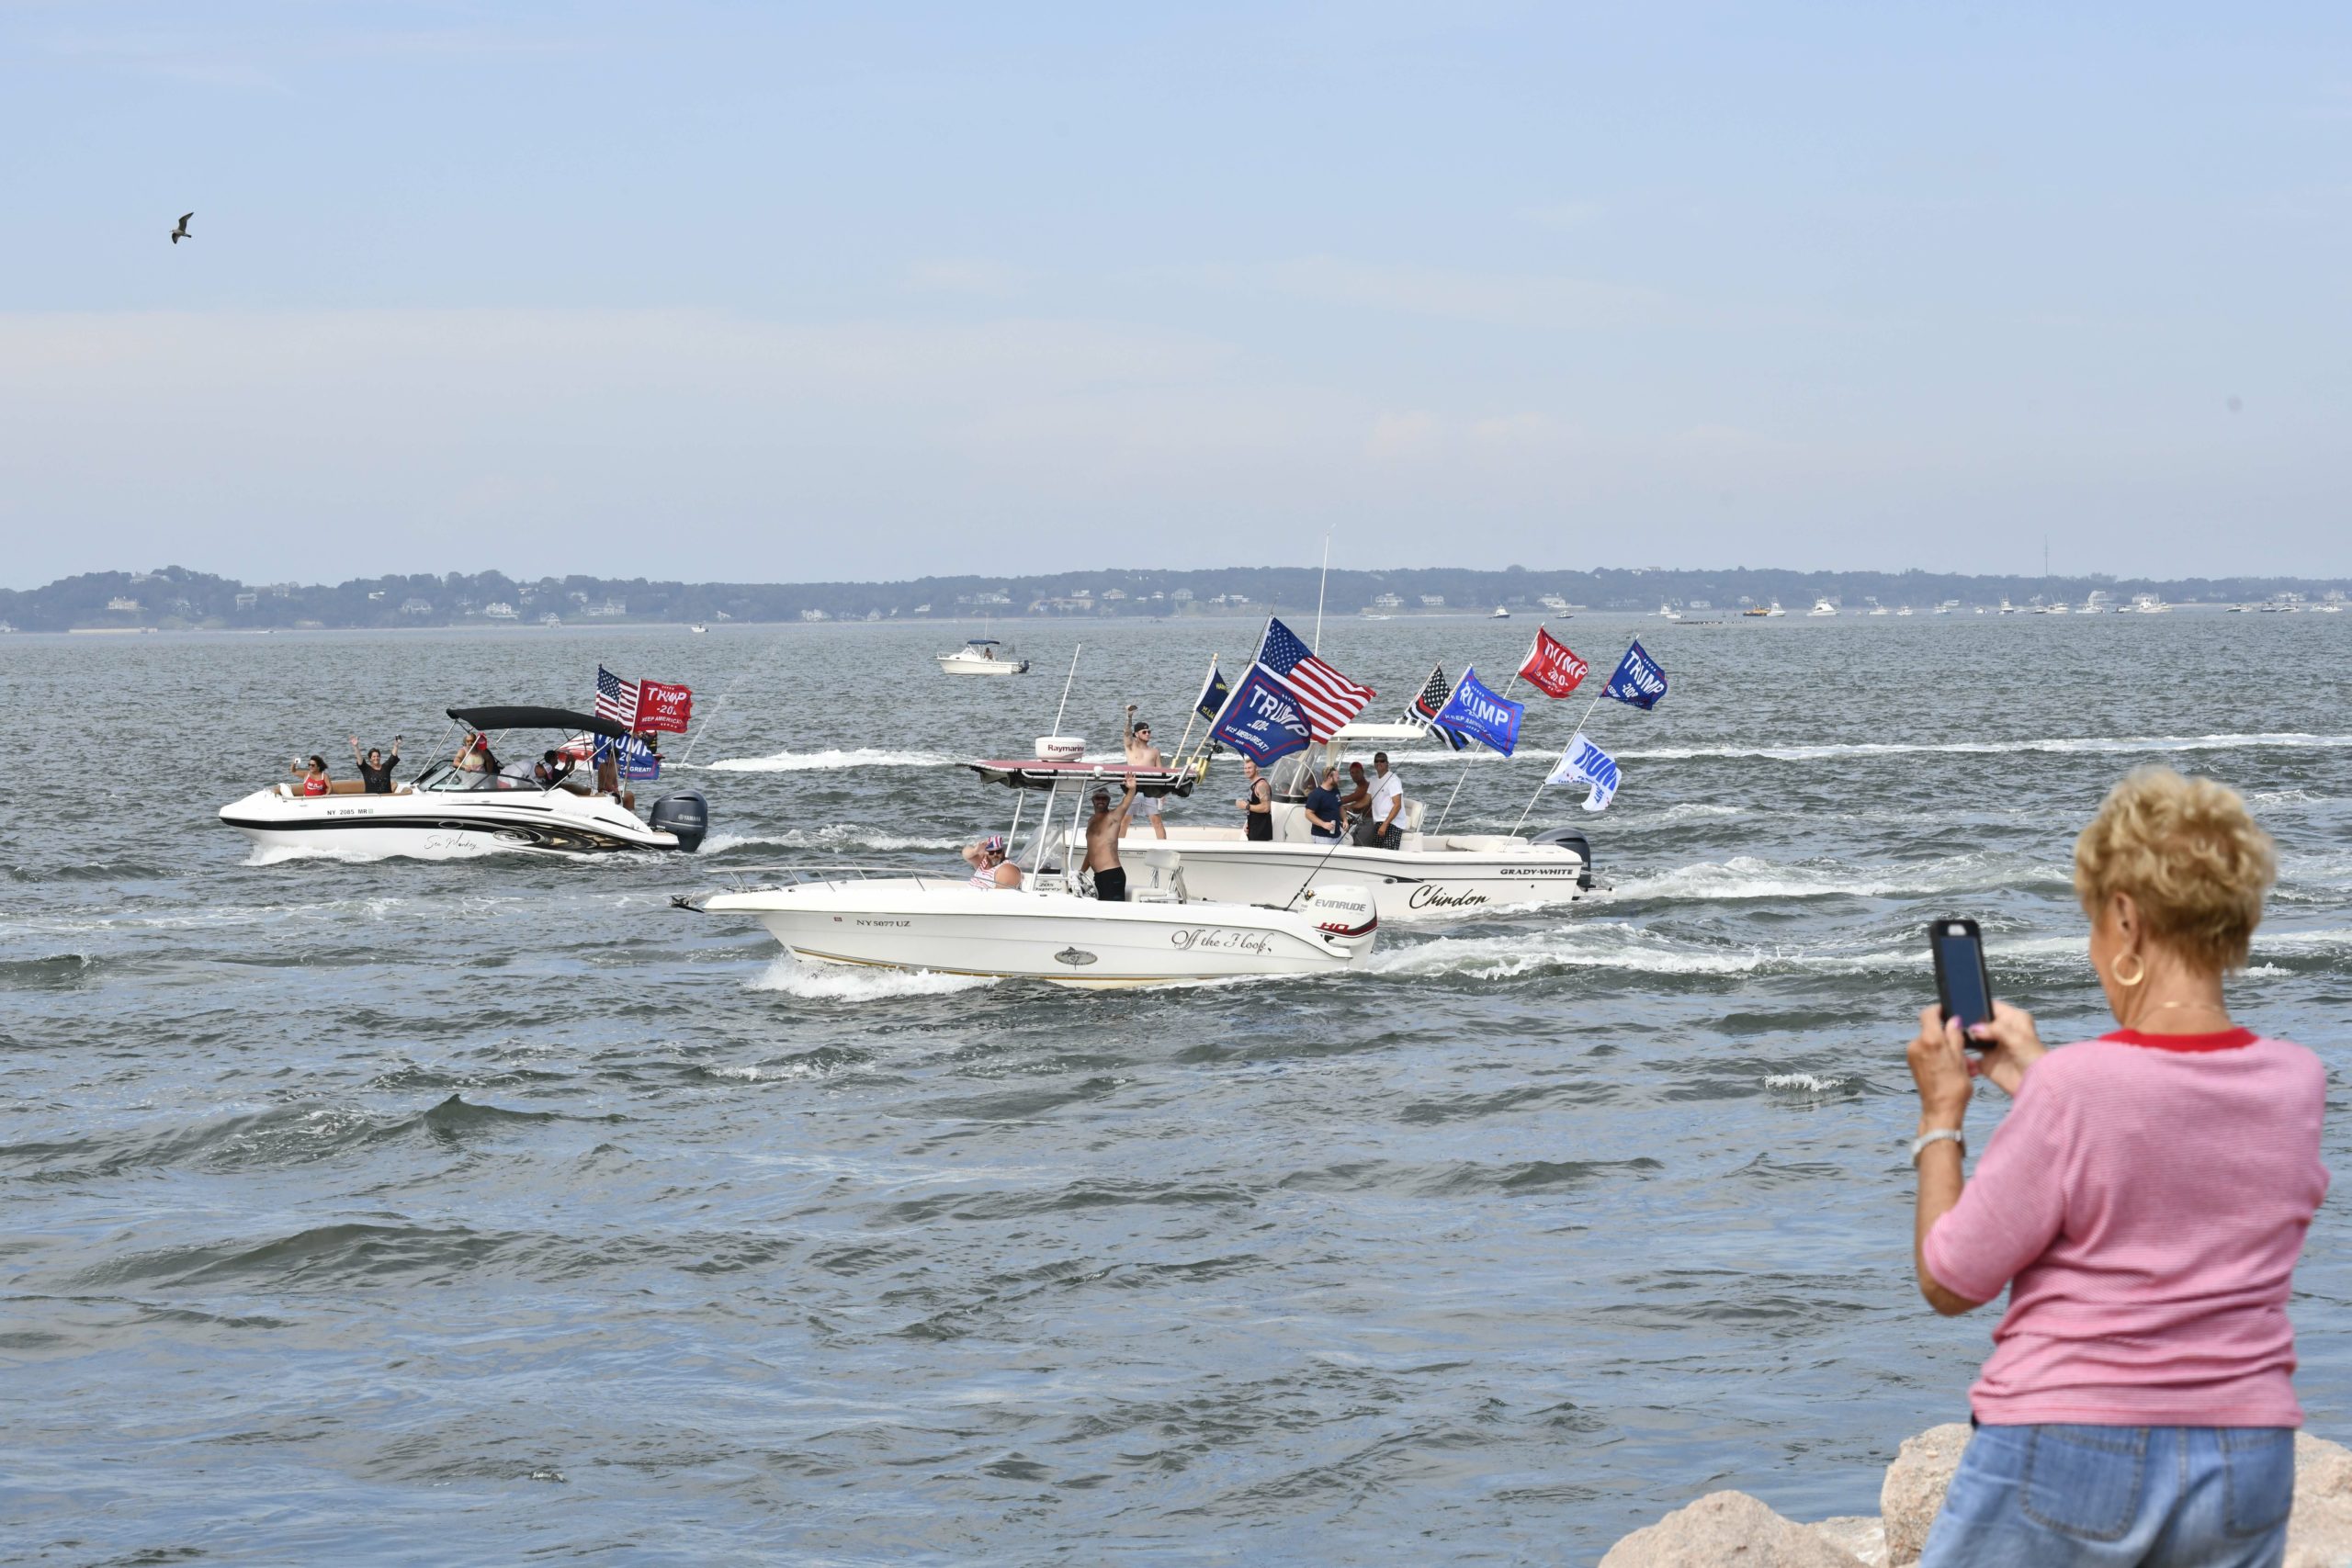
{"points": [[375, 768], [989, 868], [314, 775], [552, 768], [1323, 807]]}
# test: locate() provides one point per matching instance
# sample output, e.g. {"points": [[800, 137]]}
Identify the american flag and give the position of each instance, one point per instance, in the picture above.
{"points": [[1432, 702], [615, 698], [1330, 698]]}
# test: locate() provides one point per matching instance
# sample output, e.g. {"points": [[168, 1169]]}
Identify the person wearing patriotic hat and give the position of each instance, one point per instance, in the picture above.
{"points": [[989, 866]]}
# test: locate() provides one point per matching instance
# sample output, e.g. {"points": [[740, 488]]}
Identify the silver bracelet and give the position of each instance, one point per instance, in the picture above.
{"points": [[1937, 1135]]}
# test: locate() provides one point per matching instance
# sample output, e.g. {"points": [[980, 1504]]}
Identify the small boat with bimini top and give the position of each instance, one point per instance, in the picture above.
{"points": [[454, 809], [1048, 927], [979, 656]]}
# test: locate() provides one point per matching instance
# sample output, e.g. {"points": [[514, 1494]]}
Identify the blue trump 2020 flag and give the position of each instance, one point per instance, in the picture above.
{"points": [[1638, 680], [1583, 762], [1263, 719], [1474, 711]]}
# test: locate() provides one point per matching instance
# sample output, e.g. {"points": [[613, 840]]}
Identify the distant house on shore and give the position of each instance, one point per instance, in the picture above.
{"points": [[498, 610], [416, 607], [123, 604]]}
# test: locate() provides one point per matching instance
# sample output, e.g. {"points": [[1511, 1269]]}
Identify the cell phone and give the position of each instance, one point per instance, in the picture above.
{"points": [[1962, 983]]}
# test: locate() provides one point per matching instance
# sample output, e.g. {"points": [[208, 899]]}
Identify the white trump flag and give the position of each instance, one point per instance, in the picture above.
{"points": [[1586, 764]]}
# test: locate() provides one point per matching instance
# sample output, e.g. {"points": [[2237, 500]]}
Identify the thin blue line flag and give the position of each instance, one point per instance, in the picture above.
{"points": [[1214, 693], [1474, 711], [1585, 764], [1264, 719], [1638, 681]]}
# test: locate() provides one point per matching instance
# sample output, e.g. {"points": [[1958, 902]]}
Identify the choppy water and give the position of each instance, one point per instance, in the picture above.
{"points": [[456, 1212]]}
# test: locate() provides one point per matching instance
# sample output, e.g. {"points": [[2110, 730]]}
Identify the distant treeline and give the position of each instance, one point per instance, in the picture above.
{"points": [[175, 597]]}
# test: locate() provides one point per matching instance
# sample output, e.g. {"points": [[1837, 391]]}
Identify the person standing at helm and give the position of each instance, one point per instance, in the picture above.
{"points": [[1141, 753], [1379, 828], [1257, 803]]}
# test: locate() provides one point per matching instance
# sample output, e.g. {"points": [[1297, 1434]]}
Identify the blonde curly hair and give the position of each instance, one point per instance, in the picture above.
{"points": [[2190, 854]]}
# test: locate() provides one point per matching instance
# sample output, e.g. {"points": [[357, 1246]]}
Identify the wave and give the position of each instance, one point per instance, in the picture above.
{"points": [[2083, 745], [1807, 1083], [840, 835], [856, 983], [811, 762], [278, 854], [1621, 948], [1745, 876]]}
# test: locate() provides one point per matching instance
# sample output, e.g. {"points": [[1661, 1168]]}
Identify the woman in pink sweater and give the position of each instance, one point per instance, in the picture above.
{"points": [[2143, 1204]]}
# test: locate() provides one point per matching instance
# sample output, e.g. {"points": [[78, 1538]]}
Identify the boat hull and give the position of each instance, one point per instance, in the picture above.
{"points": [[947, 928], [428, 825]]}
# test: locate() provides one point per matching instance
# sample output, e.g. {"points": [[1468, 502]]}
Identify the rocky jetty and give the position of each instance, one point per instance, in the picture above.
{"points": [[1732, 1527]]}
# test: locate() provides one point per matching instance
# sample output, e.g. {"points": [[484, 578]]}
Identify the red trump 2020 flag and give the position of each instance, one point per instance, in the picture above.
{"points": [[663, 707], [1551, 667]]}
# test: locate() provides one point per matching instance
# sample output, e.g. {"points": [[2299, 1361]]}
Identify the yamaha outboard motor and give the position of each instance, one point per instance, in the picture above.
{"points": [[685, 814], [1569, 839]]}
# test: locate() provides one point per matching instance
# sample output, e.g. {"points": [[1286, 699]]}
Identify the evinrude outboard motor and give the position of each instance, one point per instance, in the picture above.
{"points": [[1568, 838], [685, 814]]}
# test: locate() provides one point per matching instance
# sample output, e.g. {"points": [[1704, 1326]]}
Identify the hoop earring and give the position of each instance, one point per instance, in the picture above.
{"points": [[2137, 975]]}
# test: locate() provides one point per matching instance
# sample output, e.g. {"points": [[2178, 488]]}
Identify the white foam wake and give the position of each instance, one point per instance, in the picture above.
{"points": [[838, 837], [854, 983], [811, 762], [1807, 1083], [2084, 744], [1746, 876]]}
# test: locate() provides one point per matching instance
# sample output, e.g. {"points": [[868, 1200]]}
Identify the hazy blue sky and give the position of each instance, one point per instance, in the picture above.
{"points": [[769, 291]]}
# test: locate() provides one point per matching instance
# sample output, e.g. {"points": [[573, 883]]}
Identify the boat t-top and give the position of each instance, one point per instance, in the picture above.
{"points": [[1432, 874], [1821, 607], [978, 656], [471, 802], [1050, 927]]}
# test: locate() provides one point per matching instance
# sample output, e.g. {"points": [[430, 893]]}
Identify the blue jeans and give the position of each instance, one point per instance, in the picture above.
{"points": [[2112, 1497]]}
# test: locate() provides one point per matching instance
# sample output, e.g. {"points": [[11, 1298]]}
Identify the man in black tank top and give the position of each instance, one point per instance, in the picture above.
{"points": [[1257, 805]]}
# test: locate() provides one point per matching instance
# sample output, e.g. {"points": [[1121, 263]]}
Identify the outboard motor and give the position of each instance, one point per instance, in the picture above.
{"points": [[685, 814], [1345, 911], [1569, 839]]}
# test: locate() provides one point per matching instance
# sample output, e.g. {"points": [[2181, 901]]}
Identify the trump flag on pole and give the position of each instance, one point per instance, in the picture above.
{"points": [[1583, 762], [1551, 667], [663, 707], [1490, 720], [1263, 720], [1638, 681]]}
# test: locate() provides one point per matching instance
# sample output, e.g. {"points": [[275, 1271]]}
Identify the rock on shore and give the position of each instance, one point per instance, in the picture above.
{"points": [[1734, 1527]]}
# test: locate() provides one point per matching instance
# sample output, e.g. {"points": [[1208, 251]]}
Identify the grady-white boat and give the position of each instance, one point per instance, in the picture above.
{"points": [[1432, 874], [1821, 607], [1502, 613], [979, 657], [450, 811], [1049, 929]]}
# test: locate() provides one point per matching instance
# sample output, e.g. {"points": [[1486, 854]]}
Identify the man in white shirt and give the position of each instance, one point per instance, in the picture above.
{"points": [[1381, 827]]}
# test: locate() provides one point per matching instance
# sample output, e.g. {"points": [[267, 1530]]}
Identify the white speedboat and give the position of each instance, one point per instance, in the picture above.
{"points": [[1500, 614], [1668, 612], [1432, 874], [1821, 607], [979, 657], [1776, 611], [1048, 929], [448, 811]]}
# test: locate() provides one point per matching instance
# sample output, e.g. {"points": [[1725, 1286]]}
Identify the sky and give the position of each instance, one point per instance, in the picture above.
{"points": [[793, 292]]}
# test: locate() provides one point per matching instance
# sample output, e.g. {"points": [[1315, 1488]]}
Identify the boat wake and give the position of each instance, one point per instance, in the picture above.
{"points": [[815, 761], [840, 835], [278, 854], [1745, 876], [853, 983], [2088, 744]]}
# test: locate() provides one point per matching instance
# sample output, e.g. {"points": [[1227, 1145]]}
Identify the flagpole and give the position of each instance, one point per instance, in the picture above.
{"points": [[1458, 790], [1021, 799], [1320, 584]]}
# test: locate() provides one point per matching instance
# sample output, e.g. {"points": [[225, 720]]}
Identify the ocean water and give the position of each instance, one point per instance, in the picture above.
{"points": [[482, 1210]]}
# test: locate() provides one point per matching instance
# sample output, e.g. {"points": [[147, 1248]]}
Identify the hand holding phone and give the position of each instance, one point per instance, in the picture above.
{"points": [[1963, 984]]}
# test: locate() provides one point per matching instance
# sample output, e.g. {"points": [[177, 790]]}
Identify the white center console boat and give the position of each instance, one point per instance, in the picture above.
{"points": [[980, 657], [1048, 927], [449, 810], [1431, 873]]}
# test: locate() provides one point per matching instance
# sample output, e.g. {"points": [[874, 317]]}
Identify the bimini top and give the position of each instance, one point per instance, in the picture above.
{"points": [[536, 718], [980, 642], [1113, 776]]}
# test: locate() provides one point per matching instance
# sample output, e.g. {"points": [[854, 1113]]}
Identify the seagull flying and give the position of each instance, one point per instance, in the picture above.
{"points": [[181, 232]]}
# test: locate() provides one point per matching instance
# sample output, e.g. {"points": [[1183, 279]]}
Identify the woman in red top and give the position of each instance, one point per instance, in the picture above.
{"points": [[2143, 1204], [314, 777]]}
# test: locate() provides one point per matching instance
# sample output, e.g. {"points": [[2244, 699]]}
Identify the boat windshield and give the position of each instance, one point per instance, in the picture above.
{"points": [[445, 776]]}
